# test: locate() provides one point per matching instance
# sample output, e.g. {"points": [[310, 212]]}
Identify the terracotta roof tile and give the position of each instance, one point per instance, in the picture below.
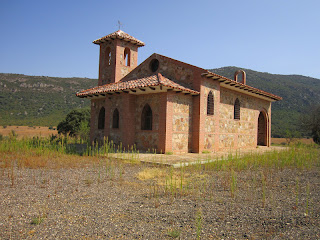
{"points": [[150, 81], [119, 35], [240, 85]]}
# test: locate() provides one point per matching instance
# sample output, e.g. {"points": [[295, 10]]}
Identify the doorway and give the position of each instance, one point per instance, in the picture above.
{"points": [[262, 129]]}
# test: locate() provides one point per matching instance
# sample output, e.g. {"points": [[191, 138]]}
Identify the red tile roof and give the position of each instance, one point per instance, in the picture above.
{"points": [[119, 35], [150, 81], [241, 86]]}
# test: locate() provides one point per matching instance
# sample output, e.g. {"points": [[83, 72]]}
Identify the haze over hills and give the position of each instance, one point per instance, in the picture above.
{"points": [[44, 101]]}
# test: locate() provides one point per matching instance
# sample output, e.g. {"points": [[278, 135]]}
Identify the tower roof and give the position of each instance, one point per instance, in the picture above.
{"points": [[119, 35]]}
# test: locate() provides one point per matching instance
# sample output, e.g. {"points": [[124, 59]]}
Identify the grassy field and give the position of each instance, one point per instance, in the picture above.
{"points": [[25, 131], [51, 190]]}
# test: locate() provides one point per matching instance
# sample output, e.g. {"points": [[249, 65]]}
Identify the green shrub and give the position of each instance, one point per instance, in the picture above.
{"points": [[73, 122]]}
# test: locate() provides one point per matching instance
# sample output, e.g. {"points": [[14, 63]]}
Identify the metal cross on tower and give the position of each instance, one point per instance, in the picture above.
{"points": [[119, 24]]}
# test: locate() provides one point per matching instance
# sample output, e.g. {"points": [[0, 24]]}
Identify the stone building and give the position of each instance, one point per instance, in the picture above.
{"points": [[172, 106]]}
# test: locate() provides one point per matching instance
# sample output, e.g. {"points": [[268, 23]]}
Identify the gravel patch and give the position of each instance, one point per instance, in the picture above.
{"points": [[95, 202]]}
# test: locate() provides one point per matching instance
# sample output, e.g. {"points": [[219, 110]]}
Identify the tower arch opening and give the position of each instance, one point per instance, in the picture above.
{"points": [[127, 56]]}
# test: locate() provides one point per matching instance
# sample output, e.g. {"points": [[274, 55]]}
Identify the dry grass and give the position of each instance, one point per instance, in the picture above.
{"points": [[25, 131], [163, 176], [283, 141], [35, 160], [151, 173]]}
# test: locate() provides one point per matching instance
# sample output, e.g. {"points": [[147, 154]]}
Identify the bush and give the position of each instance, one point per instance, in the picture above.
{"points": [[76, 123], [311, 123]]}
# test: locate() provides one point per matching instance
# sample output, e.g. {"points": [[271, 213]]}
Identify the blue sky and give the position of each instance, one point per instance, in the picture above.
{"points": [[54, 38]]}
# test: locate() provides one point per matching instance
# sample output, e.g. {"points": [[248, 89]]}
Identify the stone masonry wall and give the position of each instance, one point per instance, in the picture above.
{"points": [[211, 132], [182, 123], [175, 70], [147, 139], [239, 133]]}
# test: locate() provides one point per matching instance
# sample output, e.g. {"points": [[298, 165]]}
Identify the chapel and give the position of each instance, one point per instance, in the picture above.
{"points": [[166, 105]]}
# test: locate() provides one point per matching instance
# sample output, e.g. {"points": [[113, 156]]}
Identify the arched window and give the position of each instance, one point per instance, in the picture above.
{"points": [[108, 56], [146, 118], [101, 119], [237, 109], [127, 56], [115, 119], [210, 104]]}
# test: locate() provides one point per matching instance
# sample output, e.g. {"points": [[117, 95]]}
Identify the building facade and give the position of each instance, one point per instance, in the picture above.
{"points": [[171, 106]]}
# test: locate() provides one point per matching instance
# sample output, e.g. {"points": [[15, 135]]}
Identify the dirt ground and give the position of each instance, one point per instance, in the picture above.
{"points": [[25, 131], [108, 200]]}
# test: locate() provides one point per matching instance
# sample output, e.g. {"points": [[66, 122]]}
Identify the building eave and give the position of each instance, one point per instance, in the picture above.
{"points": [[240, 87]]}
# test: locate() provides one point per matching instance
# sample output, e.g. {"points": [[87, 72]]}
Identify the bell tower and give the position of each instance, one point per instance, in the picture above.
{"points": [[118, 56]]}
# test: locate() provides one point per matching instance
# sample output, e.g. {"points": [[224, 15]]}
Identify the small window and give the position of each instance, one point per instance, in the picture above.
{"points": [[146, 118], [108, 56], [127, 56], [115, 119], [210, 104], [101, 119], [154, 65], [237, 109]]}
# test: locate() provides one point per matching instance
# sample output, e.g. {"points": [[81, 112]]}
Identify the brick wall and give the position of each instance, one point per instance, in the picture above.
{"points": [[114, 102], [117, 69], [95, 133]]}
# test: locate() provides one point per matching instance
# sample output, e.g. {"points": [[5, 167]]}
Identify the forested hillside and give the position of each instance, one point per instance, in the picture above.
{"points": [[45, 101], [39, 100]]}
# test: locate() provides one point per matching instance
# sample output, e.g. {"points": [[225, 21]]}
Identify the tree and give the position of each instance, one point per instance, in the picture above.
{"points": [[75, 122], [311, 123]]}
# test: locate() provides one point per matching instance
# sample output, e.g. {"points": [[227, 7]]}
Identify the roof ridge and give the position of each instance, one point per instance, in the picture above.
{"points": [[160, 80], [119, 34]]}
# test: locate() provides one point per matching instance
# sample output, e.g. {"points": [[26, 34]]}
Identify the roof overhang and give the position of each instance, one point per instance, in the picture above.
{"points": [[137, 91], [242, 88]]}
